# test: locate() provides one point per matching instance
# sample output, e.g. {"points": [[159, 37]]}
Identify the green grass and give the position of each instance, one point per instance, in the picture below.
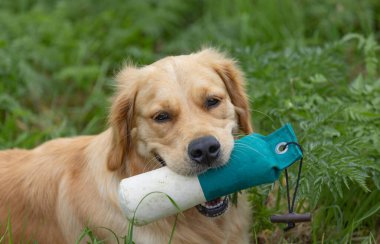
{"points": [[57, 60], [128, 238]]}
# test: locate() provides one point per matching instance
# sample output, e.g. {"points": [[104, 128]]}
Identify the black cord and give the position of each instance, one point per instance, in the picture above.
{"points": [[291, 207], [287, 190]]}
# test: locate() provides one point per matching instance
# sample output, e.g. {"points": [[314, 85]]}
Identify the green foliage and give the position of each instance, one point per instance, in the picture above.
{"points": [[338, 122], [302, 62]]}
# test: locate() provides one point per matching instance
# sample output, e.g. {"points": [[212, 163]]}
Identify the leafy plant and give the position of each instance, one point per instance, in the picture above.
{"points": [[339, 123]]}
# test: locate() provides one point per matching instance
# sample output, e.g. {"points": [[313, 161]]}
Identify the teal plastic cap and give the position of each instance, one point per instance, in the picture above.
{"points": [[255, 160]]}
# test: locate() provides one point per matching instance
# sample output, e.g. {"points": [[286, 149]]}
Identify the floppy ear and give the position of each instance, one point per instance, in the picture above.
{"points": [[121, 119], [232, 77]]}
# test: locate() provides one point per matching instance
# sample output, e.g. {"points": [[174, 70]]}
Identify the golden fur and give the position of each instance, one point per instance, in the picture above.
{"points": [[54, 190]]}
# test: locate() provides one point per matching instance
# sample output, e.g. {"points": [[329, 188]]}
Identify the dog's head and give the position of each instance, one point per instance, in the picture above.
{"points": [[180, 111]]}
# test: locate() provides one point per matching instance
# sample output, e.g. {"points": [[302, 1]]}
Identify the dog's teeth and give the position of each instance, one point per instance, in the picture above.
{"points": [[213, 204], [213, 208]]}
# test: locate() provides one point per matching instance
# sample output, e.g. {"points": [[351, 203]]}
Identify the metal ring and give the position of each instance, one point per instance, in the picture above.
{"points": [[280, 149]]}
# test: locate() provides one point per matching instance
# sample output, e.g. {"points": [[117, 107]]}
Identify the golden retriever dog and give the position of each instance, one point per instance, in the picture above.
{"points": [[181, 111]]}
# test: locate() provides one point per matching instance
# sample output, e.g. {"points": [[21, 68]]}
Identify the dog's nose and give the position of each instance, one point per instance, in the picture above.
{"points": [[204, 150]]}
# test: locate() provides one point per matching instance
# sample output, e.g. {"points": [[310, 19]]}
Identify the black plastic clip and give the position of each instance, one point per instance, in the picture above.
{"points": [[291, 219]]}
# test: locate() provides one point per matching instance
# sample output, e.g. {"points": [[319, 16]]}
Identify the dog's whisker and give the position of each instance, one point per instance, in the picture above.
{"points": [[150, 164]]}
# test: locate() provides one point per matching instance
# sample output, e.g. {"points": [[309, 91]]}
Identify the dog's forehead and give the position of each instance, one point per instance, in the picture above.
{"points": [[182, 73], [178, 68]]}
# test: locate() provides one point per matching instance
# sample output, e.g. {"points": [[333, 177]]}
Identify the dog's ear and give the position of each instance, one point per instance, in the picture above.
{"points": [[233, 79], [121, 118]]}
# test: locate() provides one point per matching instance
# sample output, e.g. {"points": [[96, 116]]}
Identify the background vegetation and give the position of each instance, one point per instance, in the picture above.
{"points": [[303, 65]]}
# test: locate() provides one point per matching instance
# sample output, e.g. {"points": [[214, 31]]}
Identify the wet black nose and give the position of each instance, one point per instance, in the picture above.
{"points": [[204, 150]]}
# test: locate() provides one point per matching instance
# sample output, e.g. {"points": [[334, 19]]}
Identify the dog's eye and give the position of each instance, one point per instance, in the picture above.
{"points": [[162, 117], [211, 102]]}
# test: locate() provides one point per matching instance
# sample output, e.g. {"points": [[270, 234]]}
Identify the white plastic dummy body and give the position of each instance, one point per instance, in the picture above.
{"points": [[255, 160]]}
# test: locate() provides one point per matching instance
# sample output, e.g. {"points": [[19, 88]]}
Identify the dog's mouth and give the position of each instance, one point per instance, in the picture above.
{"points": [[214, 208]]}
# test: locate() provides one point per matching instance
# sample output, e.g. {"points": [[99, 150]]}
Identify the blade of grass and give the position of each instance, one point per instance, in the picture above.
{"points": [[173, 229], [131, 223], [82, 235], [9, 228], [3, 236], [113, 233]]}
